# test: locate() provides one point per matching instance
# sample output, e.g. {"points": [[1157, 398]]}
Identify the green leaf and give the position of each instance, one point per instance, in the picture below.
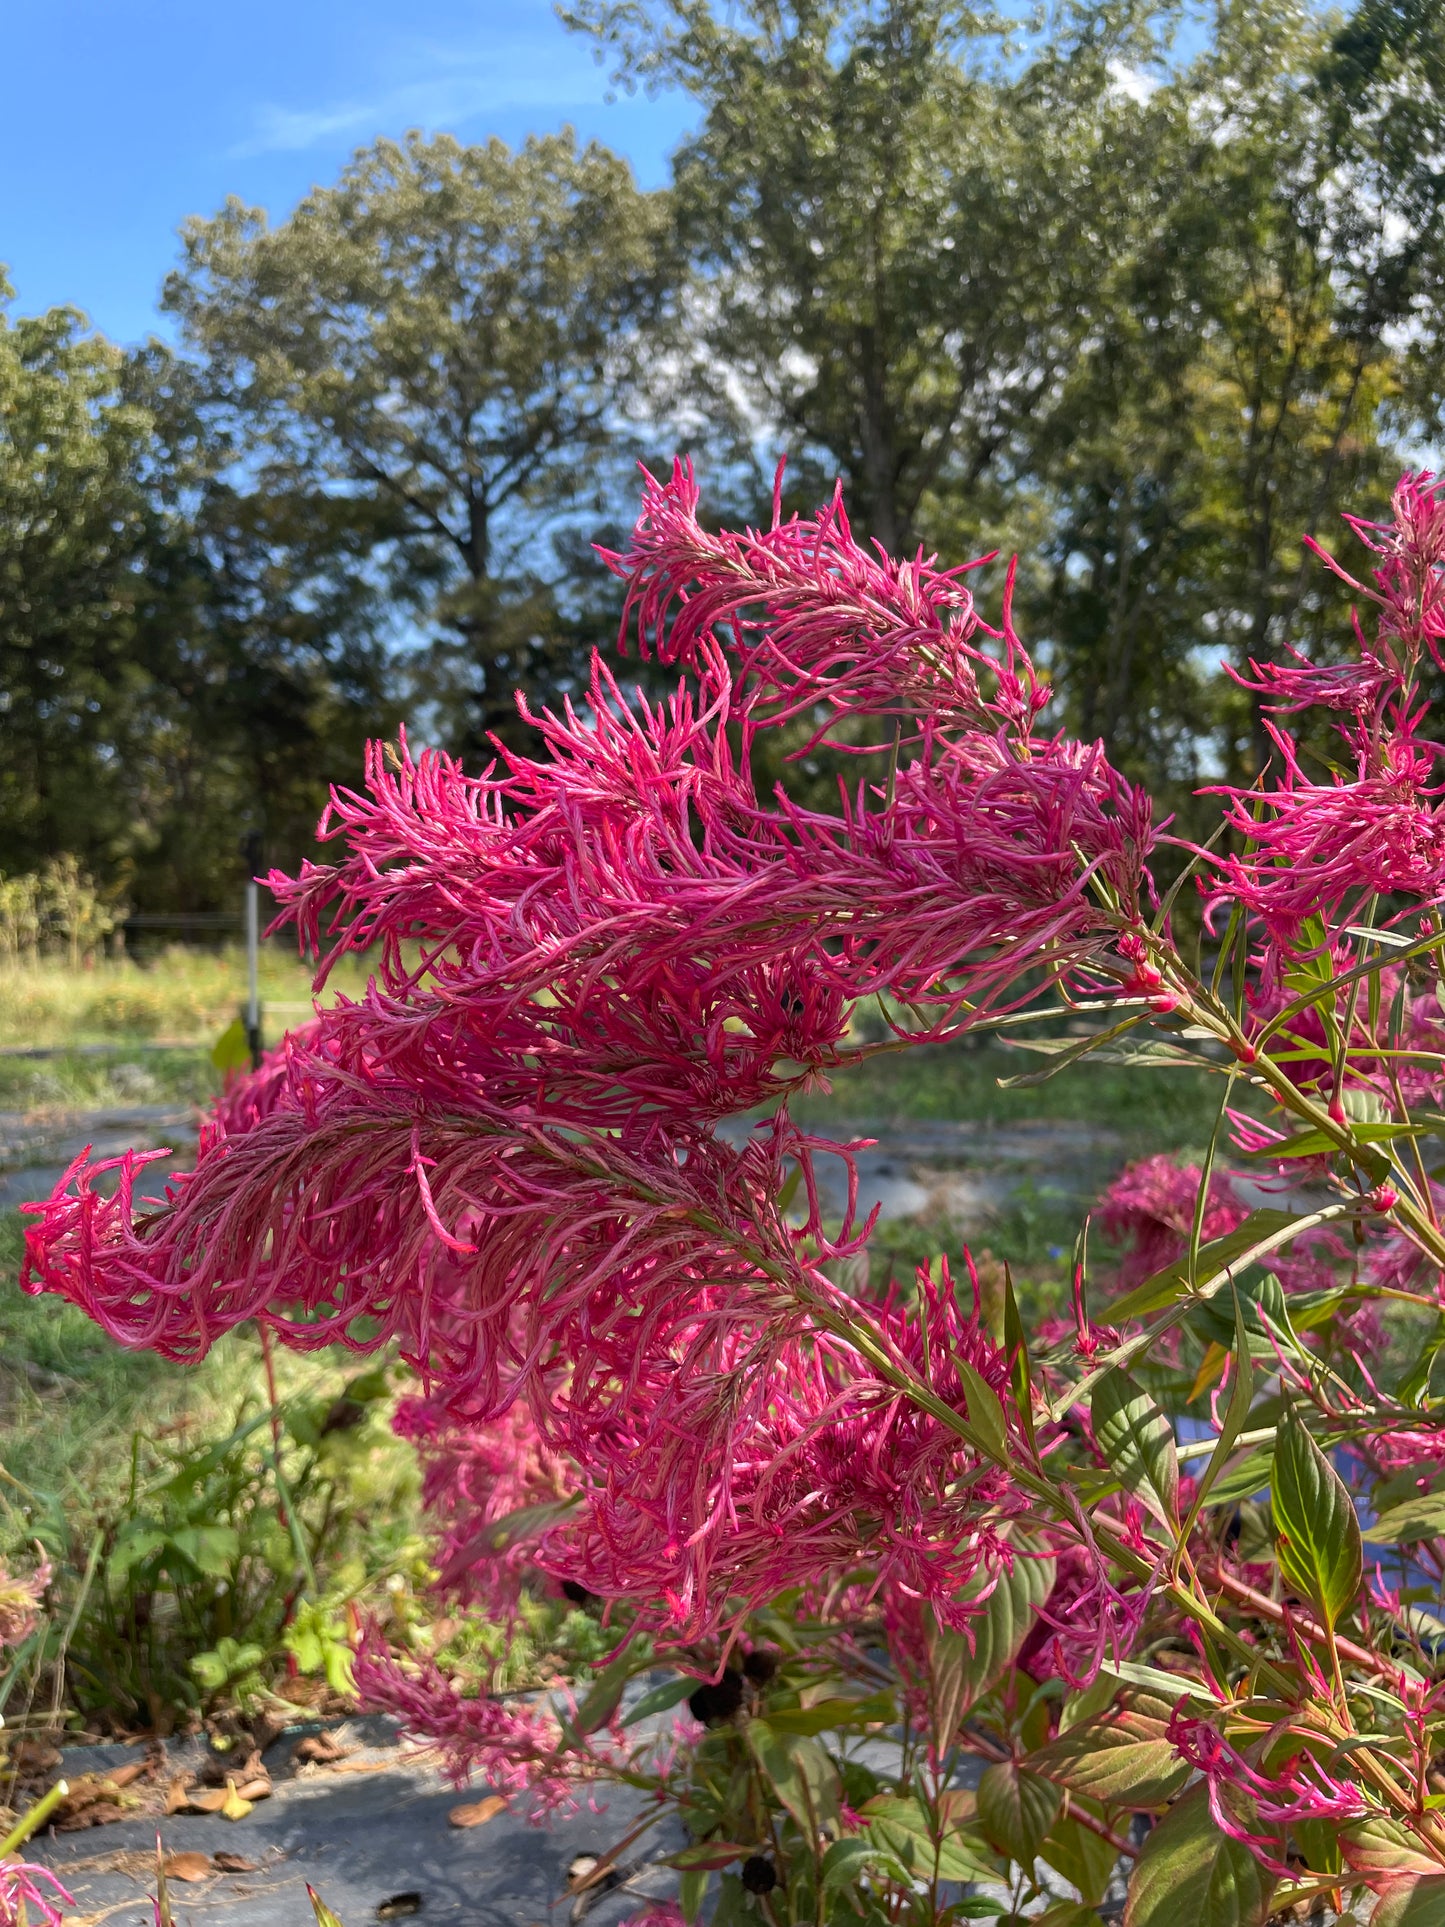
{"points": [[1017, 1351], [1249, 1474], [131, 1550], [832, 1714], [1063, 1051], [985, 1414], [709, 1855], [963, 1667], [1067, 1913], [1016, 1808], [1077, 1852], [1220, 1254], [1190, 1872], [847, 1861], [232, 1049], [1422, 1517], [1380, 1846], [691, 1892], [212, 1550], [662, 1698], [605, 1695], [1138, 1442], [903, 1828], [800, 1772], [1412, 1903], [324, 1915], [1121, 1756], [1241, 1397], [1317, 1536]]}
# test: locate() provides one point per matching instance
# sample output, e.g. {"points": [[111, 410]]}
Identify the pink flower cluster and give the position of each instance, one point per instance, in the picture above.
{"points": [[23, 1899], [1319, 849], [504, 1157], [1253, 1806]]}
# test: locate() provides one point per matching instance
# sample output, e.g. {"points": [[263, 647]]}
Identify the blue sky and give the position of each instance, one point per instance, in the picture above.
{"points": [[121, 117]]}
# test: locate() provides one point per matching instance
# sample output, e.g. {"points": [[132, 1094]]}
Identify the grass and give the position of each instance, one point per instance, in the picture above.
{"points": [[180, 996], [1159, 1110]]}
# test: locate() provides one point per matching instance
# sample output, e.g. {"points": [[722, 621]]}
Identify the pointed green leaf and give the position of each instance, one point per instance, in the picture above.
{"points": [[985, 1413], [1016, 1808], [1138, 1442], [1260, 1228], [846, 1861], [1241, 1397], [324, 1915], [800, 1772], [1317, 1536], [662, 1698], [1421, 1517], [963, 1667], [1077, 1852], [1122, 1756], [1189, 1871]]}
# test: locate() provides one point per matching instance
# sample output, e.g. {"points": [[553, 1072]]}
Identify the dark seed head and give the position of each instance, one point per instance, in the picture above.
{"points": [[713, 1703], [759, 1875], [760, 1666], [579, 1595]]}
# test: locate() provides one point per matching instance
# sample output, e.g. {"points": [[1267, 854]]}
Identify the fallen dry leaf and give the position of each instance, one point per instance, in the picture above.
{"points": [[123, 1775], [188, 1866], [477, 1812], [234, 1863], [257, 1789], [317, 1749], [177, 1796]]}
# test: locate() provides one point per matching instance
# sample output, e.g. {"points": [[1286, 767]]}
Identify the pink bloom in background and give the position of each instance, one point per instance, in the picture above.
{"points": [[1149, 1208], [473, 1478], [23, 1896], [515, 1746]]}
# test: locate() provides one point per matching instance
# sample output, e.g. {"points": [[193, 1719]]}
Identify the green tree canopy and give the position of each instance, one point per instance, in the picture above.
{"points": [[435, 355]]}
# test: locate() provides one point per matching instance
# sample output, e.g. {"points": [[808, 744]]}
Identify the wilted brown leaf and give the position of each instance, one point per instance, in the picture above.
{"points": [[317, 1749], [476, 1813], [188, 1866], [177, 1796], [234, 1863]]}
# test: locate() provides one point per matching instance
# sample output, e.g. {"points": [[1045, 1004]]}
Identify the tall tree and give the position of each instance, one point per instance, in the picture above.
{"points": [[439, 349], [75, 526], [888, 268]]}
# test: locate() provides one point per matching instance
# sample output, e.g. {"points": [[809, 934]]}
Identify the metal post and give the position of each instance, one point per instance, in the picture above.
{"points": [[252, 847]]}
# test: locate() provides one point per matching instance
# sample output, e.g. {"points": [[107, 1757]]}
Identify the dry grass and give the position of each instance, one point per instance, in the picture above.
{"points": [[182, 996]]}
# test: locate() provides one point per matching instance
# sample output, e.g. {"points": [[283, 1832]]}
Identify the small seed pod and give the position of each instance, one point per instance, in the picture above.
{"points": [[714, 1703], [579, 1595], [759, 1875], [760, 1666]]}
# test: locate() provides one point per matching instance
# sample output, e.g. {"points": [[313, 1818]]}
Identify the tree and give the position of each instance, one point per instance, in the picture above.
{"points": [[75, 525], [887, 263], [433, 355]]}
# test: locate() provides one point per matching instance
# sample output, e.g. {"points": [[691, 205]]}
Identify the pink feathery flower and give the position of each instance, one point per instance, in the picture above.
{"points": [[1150, 1208], [22, 1896], [1318, 849], [515, 1747], [827, 1467], [810, 617], [474, 1478], [1299, 1789]]}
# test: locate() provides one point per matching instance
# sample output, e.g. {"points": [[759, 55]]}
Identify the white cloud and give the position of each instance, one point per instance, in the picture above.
{"points": [[1131, 82], [436, 86]]}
